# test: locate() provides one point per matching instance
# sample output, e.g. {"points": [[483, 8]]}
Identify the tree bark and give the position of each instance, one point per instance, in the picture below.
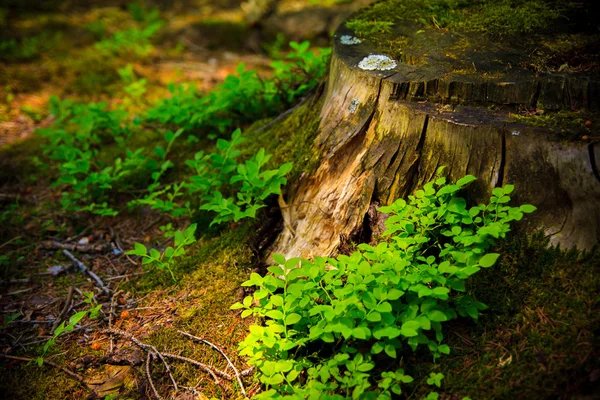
{"points": [[383, 134]]}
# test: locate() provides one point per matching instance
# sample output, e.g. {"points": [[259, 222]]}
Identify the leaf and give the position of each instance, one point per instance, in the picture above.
{"points": [[527, 208], [384, 307], [279, 259], [488, 260], [465, 180], [377, 348], [277, 315], [373, 316], [138, 250], [292, 319], [437, 316], [390, 350], [410, 328]]}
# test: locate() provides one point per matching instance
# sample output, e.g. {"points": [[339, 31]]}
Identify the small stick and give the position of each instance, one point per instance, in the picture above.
{"points": [[10, 241], [112, 278], [145, 347], [150, 354], [63, 369], [66, 308], [203, 367], [110, 317], [81, 248], [85, 269], [237, 374]]}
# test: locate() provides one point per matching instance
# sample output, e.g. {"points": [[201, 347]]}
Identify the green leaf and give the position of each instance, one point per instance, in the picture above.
{"points": [[278, 315], [138, 250], [410, 328], [437, 316], [488, 260], [465, 180], [292, 319], [527, 208], [384, 307]]}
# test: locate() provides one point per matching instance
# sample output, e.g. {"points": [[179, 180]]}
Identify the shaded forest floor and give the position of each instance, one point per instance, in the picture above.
{"points": [[538, 340]]}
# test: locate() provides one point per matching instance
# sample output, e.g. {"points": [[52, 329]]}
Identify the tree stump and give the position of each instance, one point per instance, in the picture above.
{"points": [[447, 98]]}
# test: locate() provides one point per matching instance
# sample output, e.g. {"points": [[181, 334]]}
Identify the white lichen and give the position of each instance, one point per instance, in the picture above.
{"points": [[349, 40], [377, 62], [354, 105]]}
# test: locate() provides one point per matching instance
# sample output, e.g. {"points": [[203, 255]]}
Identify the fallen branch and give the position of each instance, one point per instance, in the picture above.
{"points": [[81, 248], [237, 374], [85, 269], [150, 354], [203, 367], [143, 346]]}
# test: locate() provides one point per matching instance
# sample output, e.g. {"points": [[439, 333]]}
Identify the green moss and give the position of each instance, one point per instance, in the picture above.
{"points": [[289, 140], [542, 325], [565, 124], [496, 17]]}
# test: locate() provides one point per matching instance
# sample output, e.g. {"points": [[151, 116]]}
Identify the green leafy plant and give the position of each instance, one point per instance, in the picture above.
{"points": [[167, 258], [340, 322], [250, 185], [93, 312], [245, 96]]}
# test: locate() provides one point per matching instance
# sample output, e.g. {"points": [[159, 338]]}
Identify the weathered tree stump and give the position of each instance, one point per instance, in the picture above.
{"points": [[446, 99]]}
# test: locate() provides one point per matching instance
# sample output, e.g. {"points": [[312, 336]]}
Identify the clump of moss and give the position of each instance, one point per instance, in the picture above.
{"points": [[495, 17], [565, 124], [539, 337], [289, 140], [367, 28]]}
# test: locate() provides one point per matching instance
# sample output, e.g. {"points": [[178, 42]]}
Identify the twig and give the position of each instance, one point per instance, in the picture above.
{"points": [[145, 347], [204, 367], [66, 308], [110, 316], [150, 376], [112, 278], [81, 248], [64, 369], [9, 241], [85, 269], [237, 374]]}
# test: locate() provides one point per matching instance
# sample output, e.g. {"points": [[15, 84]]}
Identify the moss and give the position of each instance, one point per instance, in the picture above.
{"points": [[289, 140], [495, 17], [539, 337], [570, 125]]}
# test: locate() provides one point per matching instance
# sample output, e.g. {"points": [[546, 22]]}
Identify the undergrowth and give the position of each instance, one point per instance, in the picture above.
{"points": [[333, 326]]}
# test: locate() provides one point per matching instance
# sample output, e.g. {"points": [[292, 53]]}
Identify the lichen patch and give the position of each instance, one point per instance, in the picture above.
{"points": [[377, 62], [349, 40]]}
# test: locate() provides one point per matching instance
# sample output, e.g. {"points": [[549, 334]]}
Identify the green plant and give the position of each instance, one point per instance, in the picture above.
{"points": [[76, 141], [251, 186], [340, 322], [9, 318], [245, 96], [93, 312], [132, 41], [167, 258]]}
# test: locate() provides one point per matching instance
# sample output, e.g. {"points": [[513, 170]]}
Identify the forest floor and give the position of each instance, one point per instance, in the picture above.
{"points": [[542, 338], [201, 42]]}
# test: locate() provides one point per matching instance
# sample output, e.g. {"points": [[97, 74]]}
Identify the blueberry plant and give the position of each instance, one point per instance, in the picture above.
{"points": [[88, 178], [335, 327]]}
